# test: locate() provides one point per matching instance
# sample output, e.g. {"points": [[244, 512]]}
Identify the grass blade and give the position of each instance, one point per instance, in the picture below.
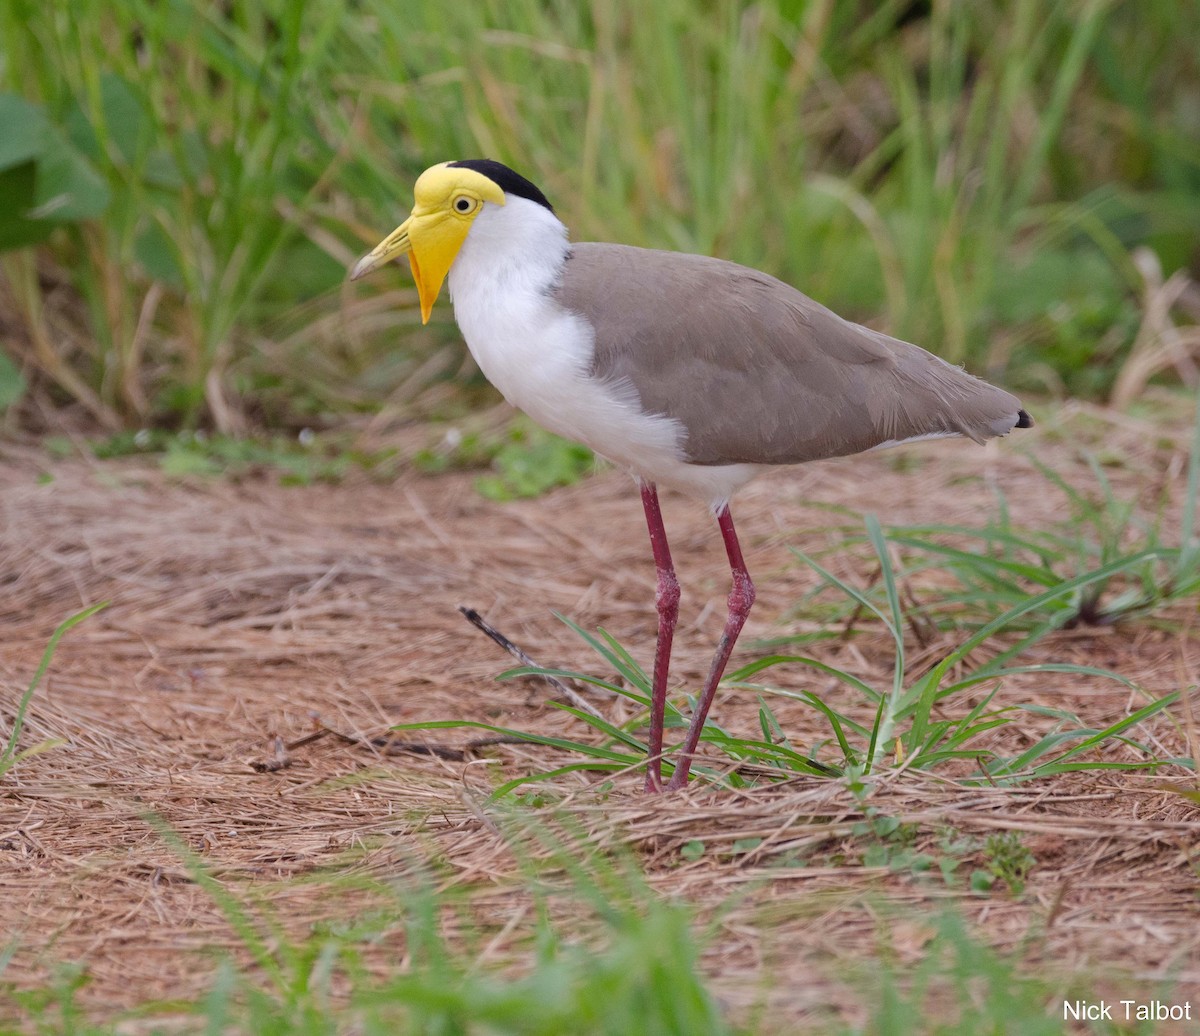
{"points": [[9, 757]]}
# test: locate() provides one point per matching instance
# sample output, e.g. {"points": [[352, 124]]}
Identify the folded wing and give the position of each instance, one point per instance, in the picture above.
{"points": [[756, 371]]}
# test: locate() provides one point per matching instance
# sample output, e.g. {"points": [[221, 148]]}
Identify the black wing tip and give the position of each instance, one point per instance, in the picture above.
{"points": [[1023, 419], [508, 180]]}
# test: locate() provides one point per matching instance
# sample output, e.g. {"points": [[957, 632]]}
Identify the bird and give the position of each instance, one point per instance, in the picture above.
{"points": [[689, 371]]}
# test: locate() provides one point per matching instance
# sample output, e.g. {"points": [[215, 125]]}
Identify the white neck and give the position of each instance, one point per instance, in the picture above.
{"points": [[501, 285], [539, 355], [517, 247]]}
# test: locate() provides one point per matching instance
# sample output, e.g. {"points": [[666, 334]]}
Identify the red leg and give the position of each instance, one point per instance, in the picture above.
{"points": [[666, 600], [741, 599]]}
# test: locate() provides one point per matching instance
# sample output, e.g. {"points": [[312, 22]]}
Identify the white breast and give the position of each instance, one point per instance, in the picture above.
{"points": [[539, 355]]}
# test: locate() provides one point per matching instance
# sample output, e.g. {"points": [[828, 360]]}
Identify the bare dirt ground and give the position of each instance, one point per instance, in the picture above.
{"points": [[244, 613]]}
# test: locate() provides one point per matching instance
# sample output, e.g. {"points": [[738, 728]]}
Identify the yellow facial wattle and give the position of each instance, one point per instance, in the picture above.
{"points": [[448, 199]]}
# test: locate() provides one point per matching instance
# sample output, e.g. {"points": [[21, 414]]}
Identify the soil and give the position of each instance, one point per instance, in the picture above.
{"points": [[232, 705]]}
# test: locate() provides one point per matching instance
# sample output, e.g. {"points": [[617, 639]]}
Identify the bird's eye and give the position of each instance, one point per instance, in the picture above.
{"points": [[463, 204]]}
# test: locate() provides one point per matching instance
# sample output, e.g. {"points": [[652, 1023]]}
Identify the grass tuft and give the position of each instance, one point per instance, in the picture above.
{"points": [[604, 956], [930, 721], [10, 756]]}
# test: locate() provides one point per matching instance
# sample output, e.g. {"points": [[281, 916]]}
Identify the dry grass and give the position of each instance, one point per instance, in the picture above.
{"points": [[246, 616]]}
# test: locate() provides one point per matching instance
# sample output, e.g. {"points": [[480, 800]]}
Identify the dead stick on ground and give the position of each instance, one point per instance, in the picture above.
{"points": [[576, 699], [387, 743]]}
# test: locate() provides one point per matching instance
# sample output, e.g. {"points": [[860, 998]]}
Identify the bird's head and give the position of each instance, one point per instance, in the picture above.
{"points": [[448, 199]]}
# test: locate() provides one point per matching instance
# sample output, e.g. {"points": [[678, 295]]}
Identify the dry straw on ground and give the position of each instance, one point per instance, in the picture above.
{"points": [[247, 618]]}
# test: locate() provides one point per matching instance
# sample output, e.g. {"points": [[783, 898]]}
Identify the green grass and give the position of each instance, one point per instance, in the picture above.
{"points": [[304, 459], [1130, 559], [887, 841], [10, 755], [921, 721], [596, 950], [524, 459], [599, 954], [963, 985], [191, 182]]}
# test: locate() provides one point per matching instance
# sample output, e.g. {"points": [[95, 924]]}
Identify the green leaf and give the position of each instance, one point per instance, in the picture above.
{"points": [[534, 462], [22, 130], [44, 180], [18, 189], [982, 881], [12, 382], [68, 187], [159, 255], [125, 120]]}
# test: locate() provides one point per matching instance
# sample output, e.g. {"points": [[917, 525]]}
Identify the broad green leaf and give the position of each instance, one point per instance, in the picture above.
{"points": [[22, 130], [12, 382]]}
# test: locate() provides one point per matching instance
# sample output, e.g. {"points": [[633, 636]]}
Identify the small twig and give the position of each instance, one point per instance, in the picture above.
{"points": [[856, 614], [391, 744], [279, 759], [1056, 904], [388, 744], [922, 626], [576, 699]]}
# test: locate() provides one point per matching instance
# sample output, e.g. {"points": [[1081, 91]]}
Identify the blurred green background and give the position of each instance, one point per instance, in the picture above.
{"points": [[183, 185]]}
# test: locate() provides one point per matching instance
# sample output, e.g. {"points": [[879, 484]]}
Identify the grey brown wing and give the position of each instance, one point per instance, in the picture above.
{"points": [[755, 371]]}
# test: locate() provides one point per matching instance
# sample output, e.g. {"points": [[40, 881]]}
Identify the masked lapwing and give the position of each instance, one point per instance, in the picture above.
{"points": [[688, 371]]}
